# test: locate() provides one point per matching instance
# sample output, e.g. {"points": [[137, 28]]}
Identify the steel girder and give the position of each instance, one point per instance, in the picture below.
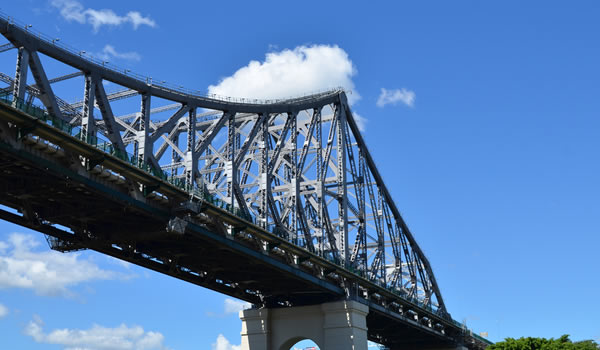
{"points": [[299, 168]]}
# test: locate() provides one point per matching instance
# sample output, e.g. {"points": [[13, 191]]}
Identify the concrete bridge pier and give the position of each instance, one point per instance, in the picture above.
{"points": [[340, 325]]}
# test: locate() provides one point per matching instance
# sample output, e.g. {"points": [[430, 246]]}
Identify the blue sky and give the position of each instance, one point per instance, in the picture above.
{"points": [[486, 135]]}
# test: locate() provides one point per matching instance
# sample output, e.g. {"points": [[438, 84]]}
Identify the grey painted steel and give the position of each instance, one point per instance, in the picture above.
{"points": [[299, 167], [6, 47], [20, 81]]}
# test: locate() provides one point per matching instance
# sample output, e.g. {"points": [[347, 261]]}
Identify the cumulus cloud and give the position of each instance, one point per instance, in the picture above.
{"points": [[119, 262], [290, 73], [98, 337], [396, 95], [109, 52], [3, 311], [224, 344], [45, 272], [235, 306], [73, 10], [361, 121], [3, 247]]}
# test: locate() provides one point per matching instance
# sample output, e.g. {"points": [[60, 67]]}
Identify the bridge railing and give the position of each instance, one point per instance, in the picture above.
{"points": [[106, 146]]}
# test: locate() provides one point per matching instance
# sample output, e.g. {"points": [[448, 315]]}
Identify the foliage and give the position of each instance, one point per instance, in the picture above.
{"points": [[562, 343]]}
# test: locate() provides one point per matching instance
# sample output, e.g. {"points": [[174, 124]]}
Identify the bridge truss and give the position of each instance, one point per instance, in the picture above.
{"points": [[290, 178]]}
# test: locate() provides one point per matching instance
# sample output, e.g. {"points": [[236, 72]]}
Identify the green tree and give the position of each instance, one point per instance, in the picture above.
{"points": [[529, 343]]}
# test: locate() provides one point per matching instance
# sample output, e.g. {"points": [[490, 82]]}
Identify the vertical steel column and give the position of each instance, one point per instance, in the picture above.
{"points": [[319, 183], [174, 155], [263, 173], [20, 83], [144, 147], [342, 239], [294, 183], [88, 124], [210, 177], [190, 160], [381, 240], [362, 207], [230, 168]]}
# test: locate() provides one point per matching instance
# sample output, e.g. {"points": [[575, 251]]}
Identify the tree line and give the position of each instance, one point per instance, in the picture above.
{"points": [[529, 343]]}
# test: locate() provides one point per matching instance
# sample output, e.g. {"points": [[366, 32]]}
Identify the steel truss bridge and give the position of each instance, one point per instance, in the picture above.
{"points": [[275, 202]]}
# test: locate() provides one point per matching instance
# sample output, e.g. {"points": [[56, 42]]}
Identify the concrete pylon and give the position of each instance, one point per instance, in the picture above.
{"points": [[340, 325]]}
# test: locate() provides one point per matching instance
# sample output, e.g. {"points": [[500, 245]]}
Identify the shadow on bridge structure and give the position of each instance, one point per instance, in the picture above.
{"points": [[275, 202]]}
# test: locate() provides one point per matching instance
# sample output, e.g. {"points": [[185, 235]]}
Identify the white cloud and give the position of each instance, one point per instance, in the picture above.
{"points": [[119, 262], [396, 95], [137, 20], [235, 306], [224, 344], [3, 311], [70, 10], [73, 10], [290, 73], [361, 122], [109, 52], [45, 272], [97, 337]]}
